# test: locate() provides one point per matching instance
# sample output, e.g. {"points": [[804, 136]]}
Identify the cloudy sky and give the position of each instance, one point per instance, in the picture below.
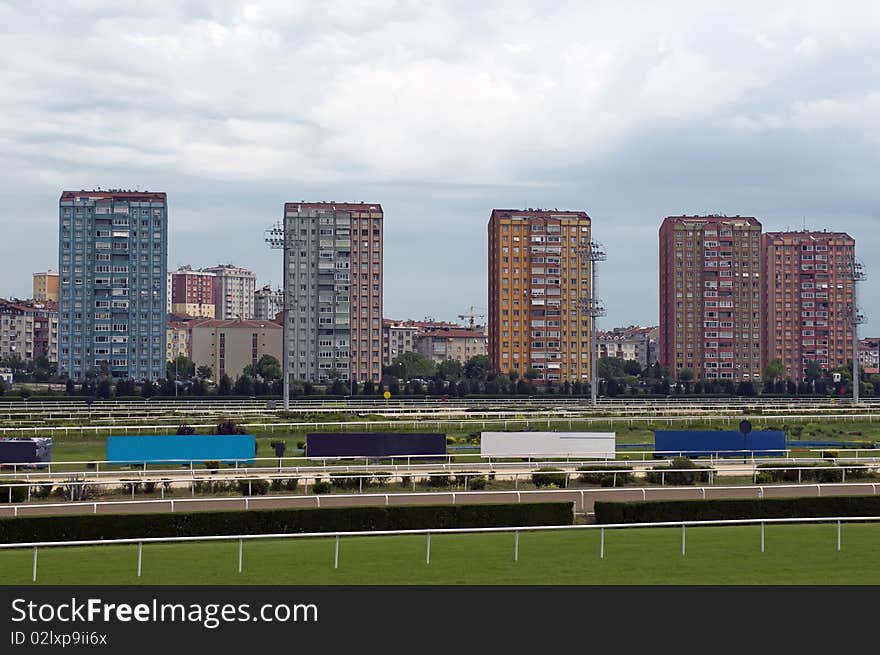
{"points": [[442, 111]]}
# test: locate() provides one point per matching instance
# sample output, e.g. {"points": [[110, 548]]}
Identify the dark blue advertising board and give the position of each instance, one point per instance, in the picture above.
{"points": [[374, 444], [697, 443], [181, 448], [25, 451]]}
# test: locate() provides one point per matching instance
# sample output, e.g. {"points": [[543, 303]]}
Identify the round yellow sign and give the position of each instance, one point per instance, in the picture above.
{"points": [[387, 395]]}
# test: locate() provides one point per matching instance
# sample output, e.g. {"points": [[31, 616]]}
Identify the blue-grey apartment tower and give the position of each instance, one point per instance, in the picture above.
{"points": [[112, 263]]}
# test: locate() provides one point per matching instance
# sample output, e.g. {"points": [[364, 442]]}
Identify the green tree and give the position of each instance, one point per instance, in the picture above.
{"points": [[225, 385], [449, 369], [13, 362], [244, 386], [268, 368], [105, 388], [414, 365], [180, 368], [611, 367], [813, 371], [531, 375], [773, 370], [205, 372], [477, 368], [148, 389], [632, 367], [685, 375]]}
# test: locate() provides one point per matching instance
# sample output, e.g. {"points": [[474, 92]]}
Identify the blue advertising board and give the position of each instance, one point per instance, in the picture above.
{"points": [[182, 448], [374, 444], [696, 443]]}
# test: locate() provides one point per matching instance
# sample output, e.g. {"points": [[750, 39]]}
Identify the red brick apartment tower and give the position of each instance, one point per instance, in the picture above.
{"points": [[808, 292], [710, 296], [538, 280]]}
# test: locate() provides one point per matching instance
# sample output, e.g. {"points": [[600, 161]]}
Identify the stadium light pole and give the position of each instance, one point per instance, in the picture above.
{"points": [[277, 239], [594, 307], [856, 273]]}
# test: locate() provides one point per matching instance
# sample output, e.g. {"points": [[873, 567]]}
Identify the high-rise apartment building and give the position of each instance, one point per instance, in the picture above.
{"points": [[192, 292], [233, 292], [333, 282], [46, 286], [710, 297], [267, 303], [113, 249], [808, 298], [539, 286]]}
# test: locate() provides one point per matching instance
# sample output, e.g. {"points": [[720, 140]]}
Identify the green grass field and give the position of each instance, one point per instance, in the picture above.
{"points": [[794, 555]]}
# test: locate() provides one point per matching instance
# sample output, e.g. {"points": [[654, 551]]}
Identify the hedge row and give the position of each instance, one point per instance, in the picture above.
{"points": [[280, 521], [813, 471], [735, 508]]}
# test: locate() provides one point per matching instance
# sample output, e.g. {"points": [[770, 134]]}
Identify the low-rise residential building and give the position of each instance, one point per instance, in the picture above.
{"points": [[177, 337], [456, 343], [28, 329], [46, 286], [633, 343], [228, 346], [869, 354], [268, 303], [398, 337]]}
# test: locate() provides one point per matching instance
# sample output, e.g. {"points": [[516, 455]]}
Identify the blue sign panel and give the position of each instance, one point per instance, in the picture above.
{"points": [[696, 443], [182, 448]]}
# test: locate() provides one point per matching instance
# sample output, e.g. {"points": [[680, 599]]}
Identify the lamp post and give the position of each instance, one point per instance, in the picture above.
{"points": [[745, 427]]}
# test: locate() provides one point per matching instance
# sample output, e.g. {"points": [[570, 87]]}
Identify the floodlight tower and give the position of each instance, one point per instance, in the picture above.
{"points": [[276, 238], [856, 272], [594, 307]]}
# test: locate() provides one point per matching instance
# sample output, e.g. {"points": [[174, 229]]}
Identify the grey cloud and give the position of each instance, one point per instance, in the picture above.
{"points": [[441, 113]]}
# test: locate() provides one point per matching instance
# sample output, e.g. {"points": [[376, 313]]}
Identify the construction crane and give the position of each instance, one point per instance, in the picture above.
{"points": [[470, 316]]}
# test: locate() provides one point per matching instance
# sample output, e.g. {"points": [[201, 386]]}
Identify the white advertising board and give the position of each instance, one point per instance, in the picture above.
{"points": [[594, 445]]}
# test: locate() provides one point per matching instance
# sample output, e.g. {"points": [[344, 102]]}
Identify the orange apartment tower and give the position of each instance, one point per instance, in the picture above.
{"points": [[710, 297], [539, 285], [808, 298]]}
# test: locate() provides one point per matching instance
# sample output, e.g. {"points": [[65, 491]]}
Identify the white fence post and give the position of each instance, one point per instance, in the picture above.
{"points": [[240, 552], [140, 556], [762, 536], [428, 550], [516, 545], [601, 543], [35, 564], [838, 536], [336, 554], [682, 538]]}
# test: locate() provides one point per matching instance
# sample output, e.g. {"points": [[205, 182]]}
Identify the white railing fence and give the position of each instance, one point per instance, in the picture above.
{"points": [[515, 530]]}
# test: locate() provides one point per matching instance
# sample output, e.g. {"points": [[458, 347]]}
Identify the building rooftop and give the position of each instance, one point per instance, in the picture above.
{"points": [[539, 213], [736, 220], [333, 205], [810, 234], [234, 323], [113, 194]]}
